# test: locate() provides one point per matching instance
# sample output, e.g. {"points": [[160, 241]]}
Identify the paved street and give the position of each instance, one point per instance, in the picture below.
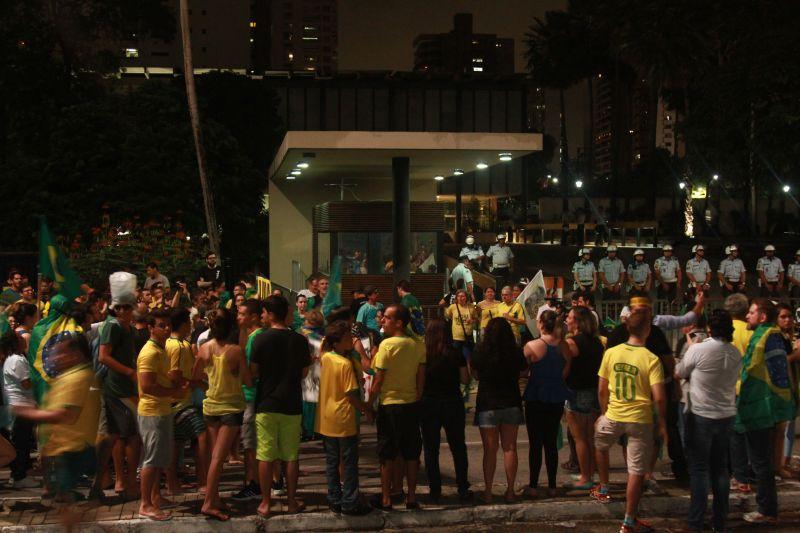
{"points": [[25, 507]]}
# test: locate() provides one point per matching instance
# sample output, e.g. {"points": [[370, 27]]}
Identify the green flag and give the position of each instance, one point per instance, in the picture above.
{"points": [[54, 265]]}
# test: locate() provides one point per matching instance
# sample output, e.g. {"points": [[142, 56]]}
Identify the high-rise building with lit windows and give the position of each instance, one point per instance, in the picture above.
{"points": [[461, 51], [221, 34], [295, 35]]}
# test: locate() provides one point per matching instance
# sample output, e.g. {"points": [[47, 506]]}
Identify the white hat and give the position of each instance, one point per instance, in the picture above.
{"points": [[769, 248], [123, 289], [584, 251], [733, 248], [699, 248], [470, 240], [667, 248], [797, 252], [501, 236], [612, 248], [727, 250], [626, 312], [638, 251]]}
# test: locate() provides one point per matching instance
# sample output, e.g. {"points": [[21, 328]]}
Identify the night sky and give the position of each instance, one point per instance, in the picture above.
{"points": [[378, 34]]}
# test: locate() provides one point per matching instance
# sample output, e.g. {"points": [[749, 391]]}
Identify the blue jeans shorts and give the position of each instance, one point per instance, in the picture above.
{"points": [[490, 419]]}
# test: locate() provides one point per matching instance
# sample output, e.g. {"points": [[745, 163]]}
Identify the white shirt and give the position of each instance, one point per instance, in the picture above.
{"points": [[699, 269], [461, 272], [472, 252], [667, 268], [161, 278], [771, 266], [543, 308], [711, 368], [16, 369], [731, 269]]}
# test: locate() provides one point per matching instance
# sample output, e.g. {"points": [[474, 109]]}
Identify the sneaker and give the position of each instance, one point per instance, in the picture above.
{"points": [[640, 526], [600, 493], [278, 489], [653, 487], [250, 492], [359, 510], [757, 518], [25, 483]]}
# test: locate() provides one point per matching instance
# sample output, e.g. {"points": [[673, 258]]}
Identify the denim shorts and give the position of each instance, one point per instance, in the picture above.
{"points": [[489, 419], [583, 401]]}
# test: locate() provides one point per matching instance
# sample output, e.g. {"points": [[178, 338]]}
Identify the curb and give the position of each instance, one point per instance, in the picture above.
{"points": [[546, 511]]}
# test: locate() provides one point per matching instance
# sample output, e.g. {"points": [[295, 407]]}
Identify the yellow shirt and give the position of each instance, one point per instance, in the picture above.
{"points": [[75, 388], [181, 359], [741, 339], [515, 310], [336, 416], [400, 358], [461, 317], [153, 358], [631, 372], [224, 395], [488, 311]]}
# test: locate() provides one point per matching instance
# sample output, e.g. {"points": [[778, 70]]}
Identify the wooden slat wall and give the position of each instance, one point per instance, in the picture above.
{"points": [[428, 288], [375, 216]]}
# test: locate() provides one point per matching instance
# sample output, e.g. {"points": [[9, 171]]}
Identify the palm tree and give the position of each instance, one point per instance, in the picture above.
{"points": [[194, 114]]}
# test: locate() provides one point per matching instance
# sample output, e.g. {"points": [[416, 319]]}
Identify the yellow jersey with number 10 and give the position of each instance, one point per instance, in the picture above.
{"points": [[631, 371]]}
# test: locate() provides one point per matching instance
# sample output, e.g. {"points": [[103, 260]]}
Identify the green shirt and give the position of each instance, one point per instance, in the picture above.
{"points": [[250, 392], [122, 350]]}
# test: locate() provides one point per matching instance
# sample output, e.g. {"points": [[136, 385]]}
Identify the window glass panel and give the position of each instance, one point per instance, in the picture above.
{"points": [[353, 251], [424, 252]]}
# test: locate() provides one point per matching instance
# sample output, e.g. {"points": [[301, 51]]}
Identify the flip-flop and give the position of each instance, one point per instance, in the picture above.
{"points": [[156, 517], [300, 508], [216, 515], [585, 486], [377, 503], [168, 505]]}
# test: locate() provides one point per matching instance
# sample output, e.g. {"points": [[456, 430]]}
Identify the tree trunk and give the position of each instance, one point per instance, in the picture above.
{"points": [[564, 153], [194, 114]]}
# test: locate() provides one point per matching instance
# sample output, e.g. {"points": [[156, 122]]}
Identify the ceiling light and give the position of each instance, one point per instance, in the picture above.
{"points": [[682, 185], [715, 177], [439, 178], [302, 165], [555, 180], [296, 172], [579, 184], [786, 188], [457, 172], [481, 166], [289, 177], [505, 156]]}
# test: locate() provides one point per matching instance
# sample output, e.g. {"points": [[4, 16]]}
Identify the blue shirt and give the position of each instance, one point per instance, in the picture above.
{"points": [[368, 314]]}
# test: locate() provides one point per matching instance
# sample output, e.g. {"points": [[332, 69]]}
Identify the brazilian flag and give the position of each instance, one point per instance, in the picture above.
{"points": [[48, 332], [54, 265], [5, 327], [333, 298]]}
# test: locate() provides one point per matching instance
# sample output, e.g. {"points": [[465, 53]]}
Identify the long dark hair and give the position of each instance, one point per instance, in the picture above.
{"points": [[498, 343], [438, 340], [334, 334]]}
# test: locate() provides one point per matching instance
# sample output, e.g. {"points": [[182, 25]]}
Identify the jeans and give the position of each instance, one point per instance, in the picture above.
{"points": [[542, 421], [674, 443], [760, 445], [22, 440], [740, 461], [347, 449], [448, 414], [706, 449]]}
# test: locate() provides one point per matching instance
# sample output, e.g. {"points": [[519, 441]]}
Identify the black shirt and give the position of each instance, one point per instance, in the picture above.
{"points": [[498, 381], [443, 377], [210, 273], [583, 369], [281, 356]]}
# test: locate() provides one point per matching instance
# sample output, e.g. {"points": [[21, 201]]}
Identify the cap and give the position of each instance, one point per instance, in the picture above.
{"points": [[638, 251], [470, 240], [733, 248], [584, 251], [769, 248], [797, 252], [727, 250], [612, 248], [625, 313], [699, 248], [501, 236], [667, 248]]}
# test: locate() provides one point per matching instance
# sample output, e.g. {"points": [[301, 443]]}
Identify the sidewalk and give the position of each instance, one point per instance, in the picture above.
{"points": [[23, 510]]}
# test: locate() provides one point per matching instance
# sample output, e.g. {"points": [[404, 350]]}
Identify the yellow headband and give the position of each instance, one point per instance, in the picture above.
{"points": [[639, 301]]}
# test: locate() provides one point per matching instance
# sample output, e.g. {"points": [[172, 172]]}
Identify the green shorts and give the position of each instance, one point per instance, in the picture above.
{"points": [[278, 436]]}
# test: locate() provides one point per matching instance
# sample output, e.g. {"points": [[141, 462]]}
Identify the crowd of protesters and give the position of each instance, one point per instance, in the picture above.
{"points": [[186, 368]]}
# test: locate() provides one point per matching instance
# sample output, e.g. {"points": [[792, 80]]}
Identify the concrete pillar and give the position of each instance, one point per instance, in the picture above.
{"points": [[401, 218], [459, 229]]}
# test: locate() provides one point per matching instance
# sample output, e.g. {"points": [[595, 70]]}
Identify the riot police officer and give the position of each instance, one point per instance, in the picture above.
{"points": [[639, 276], [731, 272], [611, 272], [584, 272], [667, 270], [770, 272], [698, 270]]}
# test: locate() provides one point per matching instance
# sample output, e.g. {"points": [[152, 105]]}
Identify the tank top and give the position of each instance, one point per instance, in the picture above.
{"points": [[583, 370], [546, 383], [224, 395]]}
